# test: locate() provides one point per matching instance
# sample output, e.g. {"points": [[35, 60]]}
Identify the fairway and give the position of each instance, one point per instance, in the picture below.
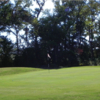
{"points": [[76, 83]]}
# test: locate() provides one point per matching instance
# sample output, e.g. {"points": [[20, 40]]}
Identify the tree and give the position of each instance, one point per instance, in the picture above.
{"points": [[5, 15], [93, 9], [6, 52], [35, 27], [19, 18]]}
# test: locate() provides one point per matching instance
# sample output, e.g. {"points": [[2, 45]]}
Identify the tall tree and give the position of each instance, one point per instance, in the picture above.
{"points": [[35, 26], [19, 17], [5, 15], [93, 9], [6, 52]]}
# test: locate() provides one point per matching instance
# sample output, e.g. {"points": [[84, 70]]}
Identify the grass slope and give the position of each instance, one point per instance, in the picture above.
{"points": [[77, 83], [16, 70]]}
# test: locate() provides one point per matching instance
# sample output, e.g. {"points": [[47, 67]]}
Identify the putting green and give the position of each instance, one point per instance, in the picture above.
{"points": [[76, 83]]}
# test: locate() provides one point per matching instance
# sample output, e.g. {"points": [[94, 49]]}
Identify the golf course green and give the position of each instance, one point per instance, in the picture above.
{"points": [[75, 83]]}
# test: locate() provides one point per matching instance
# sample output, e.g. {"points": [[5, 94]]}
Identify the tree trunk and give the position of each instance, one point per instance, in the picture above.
{"points": [[91, 45], [36, 50], [17, 42]]}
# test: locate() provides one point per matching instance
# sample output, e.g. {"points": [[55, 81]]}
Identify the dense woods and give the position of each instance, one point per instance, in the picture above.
{"points": [[61, 34]]}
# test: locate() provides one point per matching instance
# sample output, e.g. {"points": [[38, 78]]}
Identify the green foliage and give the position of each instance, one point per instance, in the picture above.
{"points": [[60, 34], [5, 15], [29, 58], [6, 52]]}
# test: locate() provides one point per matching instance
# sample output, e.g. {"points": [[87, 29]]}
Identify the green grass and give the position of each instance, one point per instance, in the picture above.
{"points": [[76, 83], [16, 70]]}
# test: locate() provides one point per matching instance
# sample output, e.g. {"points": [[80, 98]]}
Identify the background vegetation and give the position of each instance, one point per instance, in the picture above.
{"points": [[62, 34]]}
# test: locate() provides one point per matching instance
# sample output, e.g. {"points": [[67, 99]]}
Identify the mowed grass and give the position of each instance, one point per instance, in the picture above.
{"points": [[16, 70], [76, 83]]}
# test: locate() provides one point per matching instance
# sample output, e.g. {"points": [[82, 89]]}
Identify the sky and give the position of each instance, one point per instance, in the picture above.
{"points": [[48, 5]]}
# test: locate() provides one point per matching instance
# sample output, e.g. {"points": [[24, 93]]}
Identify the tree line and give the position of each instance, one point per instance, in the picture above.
{"points": [[61, 34]]}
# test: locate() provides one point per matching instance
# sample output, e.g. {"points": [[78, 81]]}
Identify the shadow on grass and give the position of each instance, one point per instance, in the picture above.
{"points": [[50, 66]]}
